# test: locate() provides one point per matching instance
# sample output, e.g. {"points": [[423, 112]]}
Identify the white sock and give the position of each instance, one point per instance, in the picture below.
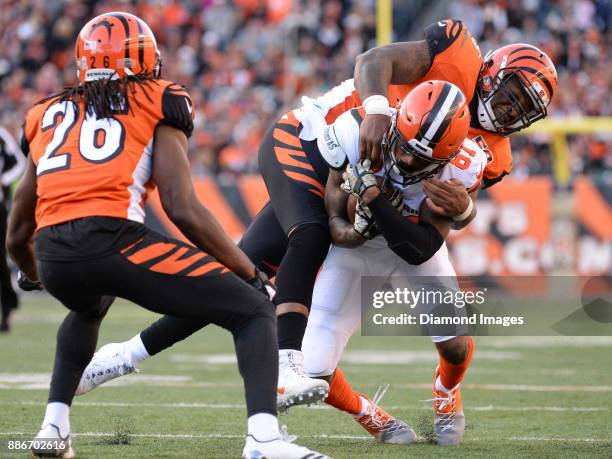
{"points": [[365, 406], [135, 351], [440, 386], [58, 414], [263, 426]]}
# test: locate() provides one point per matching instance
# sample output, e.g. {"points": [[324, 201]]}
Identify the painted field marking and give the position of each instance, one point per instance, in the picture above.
{"points": [[40, 381], [319, 436], [359, 357], [224, 406]]}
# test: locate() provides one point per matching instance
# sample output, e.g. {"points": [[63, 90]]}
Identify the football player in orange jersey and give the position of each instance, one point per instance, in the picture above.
{"points": [[448, 52], [95, 152]]}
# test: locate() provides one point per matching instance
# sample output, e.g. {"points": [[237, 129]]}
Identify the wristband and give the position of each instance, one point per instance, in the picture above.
{"points": [[466, 213], [376, 105]]}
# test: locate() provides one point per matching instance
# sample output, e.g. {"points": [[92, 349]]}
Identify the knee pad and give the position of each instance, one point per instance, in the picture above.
{"points": [[307, 248], [322, 348]]}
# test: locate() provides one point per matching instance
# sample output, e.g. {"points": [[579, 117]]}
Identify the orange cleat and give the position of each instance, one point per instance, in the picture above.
{"points": [[382, 426], [449, 420]]}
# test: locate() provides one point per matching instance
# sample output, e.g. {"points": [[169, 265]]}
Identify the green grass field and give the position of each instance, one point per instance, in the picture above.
{"points": [[524, 397]]}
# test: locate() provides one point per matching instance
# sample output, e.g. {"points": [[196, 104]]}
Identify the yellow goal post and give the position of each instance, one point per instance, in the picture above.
{"points": [[558, 129]]}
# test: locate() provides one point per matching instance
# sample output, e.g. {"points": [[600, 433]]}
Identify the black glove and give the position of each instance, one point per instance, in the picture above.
{"points": [[27, 284], [263, 284]]}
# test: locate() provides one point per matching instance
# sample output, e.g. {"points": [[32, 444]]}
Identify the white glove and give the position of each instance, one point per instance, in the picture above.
{"points": [[358, 178], [364, 222]]}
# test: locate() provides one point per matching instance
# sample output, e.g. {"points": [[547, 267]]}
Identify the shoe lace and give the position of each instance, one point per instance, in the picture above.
{"points": [[446, 407], [117, 366], [295, 367], [377, 418]]}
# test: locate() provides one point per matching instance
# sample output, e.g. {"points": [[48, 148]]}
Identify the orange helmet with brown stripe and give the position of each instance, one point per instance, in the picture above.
{"points": [[116, 45], [426, 131], [515, 87]]}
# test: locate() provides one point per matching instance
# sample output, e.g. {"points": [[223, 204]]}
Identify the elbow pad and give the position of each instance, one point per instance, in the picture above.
{"points": [[413, 242]]}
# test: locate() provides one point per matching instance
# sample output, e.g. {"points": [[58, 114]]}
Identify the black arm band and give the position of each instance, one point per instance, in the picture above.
{"points": [[414, 242]]}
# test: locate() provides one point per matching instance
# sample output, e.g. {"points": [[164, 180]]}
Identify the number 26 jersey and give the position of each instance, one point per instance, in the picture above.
{"points": [[87, 166]]}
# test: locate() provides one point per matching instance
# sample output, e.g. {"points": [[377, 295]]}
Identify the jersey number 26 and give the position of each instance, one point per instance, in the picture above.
{"points": [[100, 140]]}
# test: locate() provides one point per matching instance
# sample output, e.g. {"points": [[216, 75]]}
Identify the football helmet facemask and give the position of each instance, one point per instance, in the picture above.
{"points": [[429, 126], [515, 87]]}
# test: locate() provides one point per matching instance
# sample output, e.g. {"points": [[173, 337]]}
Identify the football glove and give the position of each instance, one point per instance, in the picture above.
{"points": [[263, 284], [27, 284], [364, 224], [397, 200], [358, 178]]}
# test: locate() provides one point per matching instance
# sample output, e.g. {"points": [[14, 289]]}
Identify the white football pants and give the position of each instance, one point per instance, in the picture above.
{"points": [[336, 301]]}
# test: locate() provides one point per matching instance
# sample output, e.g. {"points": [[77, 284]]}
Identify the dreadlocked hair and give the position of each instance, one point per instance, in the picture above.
{"points": [[106, 97]]}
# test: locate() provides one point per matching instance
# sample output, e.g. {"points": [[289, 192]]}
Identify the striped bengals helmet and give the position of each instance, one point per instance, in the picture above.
{"points": [[515, 87], [116, 45], [430, 124]]}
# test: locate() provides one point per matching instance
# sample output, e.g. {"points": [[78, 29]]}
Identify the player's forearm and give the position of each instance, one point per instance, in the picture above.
{"points": [[343, 233], [23, 256], [372, 73], [397, 63], [201, 227], [413, 242], [463, 223], [341, 230]]}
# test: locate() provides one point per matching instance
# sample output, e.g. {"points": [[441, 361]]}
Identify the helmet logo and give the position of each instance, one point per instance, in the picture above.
{"points": [[90, 45], [539, 90]]}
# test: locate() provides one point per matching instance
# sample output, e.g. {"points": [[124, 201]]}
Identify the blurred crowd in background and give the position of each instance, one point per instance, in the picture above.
{"points": [[245, 62]]}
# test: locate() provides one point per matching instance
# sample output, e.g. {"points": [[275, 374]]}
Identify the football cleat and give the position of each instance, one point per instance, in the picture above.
{"points": [[50, 443], [277, 449], [449, 420], [107, 364], [382, 426], [294, 387]]}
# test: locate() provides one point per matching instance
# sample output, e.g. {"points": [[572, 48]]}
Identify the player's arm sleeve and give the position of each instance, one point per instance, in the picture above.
{"points": [[14, 160], [339, 142], [177, 109], [413, 242]]}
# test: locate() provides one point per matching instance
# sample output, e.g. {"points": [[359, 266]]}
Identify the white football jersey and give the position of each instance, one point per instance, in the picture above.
{"points": [[339, 145]]}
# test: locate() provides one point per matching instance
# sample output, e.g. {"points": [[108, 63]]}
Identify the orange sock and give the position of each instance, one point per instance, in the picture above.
{"points": [[450, 374], [342, 396]]}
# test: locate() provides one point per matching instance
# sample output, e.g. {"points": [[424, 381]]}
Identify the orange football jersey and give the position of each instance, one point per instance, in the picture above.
{"points": [[455, 58], [498, 150], [87, 166]]}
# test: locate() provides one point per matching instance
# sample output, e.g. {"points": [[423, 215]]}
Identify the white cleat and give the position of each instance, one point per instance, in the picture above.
{"points": [[107, 364], [277, 449], [294, 387], [50, 443]]}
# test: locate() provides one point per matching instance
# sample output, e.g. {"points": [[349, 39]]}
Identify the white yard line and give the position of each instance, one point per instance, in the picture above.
{"points": [[40, 381], [359, 357], [320, 436], [224, 406]]}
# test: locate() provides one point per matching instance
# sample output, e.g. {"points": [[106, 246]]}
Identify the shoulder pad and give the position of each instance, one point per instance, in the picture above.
{"points": [[468, 166], [177, 109], [330, 149], [442, 34]]}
